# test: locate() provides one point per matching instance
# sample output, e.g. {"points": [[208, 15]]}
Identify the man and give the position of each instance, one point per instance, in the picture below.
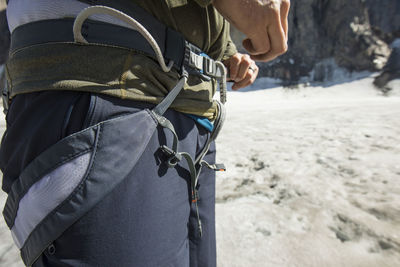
{"points": [[69, 128]]}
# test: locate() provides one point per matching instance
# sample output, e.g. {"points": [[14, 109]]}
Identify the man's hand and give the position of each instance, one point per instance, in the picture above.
{"points": [[264, 22], [242, 69]]}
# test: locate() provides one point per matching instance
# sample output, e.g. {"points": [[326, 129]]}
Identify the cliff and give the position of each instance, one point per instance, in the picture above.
{"points": [[323, 34]]}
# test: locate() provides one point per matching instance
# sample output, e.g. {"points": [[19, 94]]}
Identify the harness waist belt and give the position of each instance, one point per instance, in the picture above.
{"points": [[171, 42], [173, 45]]}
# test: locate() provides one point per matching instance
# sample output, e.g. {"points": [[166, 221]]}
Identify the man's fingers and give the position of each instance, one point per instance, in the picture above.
{"points": [[234, 66], [276, 34], [277, 39], [243, 68], [248, 79], [265, 23], [257, 46], [248, 45], [243, 83], [285, 6]]}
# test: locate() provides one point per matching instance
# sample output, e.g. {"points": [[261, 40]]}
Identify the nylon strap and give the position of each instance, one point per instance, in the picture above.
{"points": [[161, 108]]}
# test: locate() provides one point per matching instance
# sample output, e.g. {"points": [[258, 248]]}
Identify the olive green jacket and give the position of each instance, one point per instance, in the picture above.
{"points": [[124, 73]]}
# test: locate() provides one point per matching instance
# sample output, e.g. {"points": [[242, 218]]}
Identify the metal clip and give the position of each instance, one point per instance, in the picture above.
{"points": [[173, 156], [215, 167], [209, 67], [196, 61]]}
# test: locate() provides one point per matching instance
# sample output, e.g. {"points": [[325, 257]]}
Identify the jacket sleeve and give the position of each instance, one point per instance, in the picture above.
{"points": [[230, 49]]}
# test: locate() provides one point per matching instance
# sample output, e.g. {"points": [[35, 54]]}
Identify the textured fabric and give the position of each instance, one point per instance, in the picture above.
{"points": [[46, 194], [123, 73], [61, 107], [119, 145], [176, 3], [147, 220], [20, 12]]}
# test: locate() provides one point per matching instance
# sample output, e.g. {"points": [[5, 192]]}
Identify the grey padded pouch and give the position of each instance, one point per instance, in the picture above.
{"points": [[71, 177]]}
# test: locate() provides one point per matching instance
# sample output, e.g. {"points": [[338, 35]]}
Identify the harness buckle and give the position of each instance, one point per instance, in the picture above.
{"points": [[218, 167], [173, 156], [209, 66], [200, 62], [196, 61]]}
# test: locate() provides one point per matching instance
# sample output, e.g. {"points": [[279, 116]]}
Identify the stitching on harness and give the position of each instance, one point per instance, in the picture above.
{"points": [[124, 75], [69, 158], [152, 116], [69, 197], [89, 170]]}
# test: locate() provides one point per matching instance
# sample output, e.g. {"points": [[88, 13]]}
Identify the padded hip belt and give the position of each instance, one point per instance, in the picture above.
{"points": [[60, 30], [71, 177]]}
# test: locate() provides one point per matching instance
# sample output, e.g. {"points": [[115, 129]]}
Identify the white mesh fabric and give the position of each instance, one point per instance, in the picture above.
{"points": [[20, 12], [46, 194]]}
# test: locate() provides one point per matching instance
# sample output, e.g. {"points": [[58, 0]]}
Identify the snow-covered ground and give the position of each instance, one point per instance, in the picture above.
{"points": [[313, 179]]}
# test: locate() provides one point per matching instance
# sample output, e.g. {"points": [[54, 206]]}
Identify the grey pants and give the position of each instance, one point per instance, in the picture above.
{"points": [[148, 218]]}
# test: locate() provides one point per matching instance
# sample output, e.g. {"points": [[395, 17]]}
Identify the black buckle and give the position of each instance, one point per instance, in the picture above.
{"points": [[198, 62], [173, 156]]}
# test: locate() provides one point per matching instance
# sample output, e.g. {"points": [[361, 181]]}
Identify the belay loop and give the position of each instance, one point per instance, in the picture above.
{"points": [[198, 62]]}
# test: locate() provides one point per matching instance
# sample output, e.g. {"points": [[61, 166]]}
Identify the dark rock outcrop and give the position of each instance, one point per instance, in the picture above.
{"points": [[354, 33], [391, 70]]}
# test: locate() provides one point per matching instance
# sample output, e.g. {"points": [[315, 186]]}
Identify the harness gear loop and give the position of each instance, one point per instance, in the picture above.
{"points": [[87, 12]]}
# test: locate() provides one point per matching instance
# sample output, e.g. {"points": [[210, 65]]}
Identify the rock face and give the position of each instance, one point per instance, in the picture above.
{"points": [[391, 70], [354, 33]]}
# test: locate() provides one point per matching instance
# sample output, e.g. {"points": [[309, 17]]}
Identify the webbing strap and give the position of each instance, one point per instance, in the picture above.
{"points": [[193, 57], [173, 155], [218, 124], [161, 108]]}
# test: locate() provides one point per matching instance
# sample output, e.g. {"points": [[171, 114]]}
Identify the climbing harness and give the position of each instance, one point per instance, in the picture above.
{"points": [[32, 236], [197, 61]]}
